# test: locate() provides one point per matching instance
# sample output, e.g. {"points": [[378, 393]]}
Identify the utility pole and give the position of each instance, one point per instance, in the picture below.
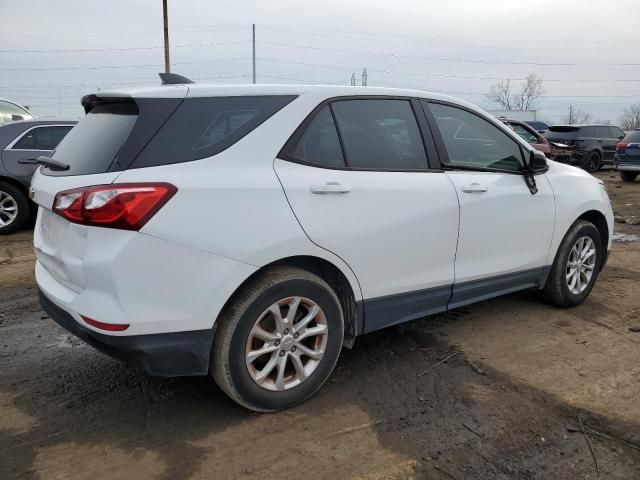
{"points": [[167, 63], [364, 77], [353, 79], [253, 44]]}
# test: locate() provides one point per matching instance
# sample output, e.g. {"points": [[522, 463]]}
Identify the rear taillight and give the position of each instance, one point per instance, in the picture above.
{"points": [[621, 146], [109, 327], [126, 206]]}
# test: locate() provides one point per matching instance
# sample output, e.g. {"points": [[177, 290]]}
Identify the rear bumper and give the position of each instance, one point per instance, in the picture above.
{"points": [[163, 354], [627, 167]]}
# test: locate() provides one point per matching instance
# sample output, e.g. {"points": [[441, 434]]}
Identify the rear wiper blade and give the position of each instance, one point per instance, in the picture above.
{"points": [[46, 161]]}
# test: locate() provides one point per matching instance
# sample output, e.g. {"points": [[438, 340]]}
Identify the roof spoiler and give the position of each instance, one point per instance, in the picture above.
{"points": [[173, 79]]}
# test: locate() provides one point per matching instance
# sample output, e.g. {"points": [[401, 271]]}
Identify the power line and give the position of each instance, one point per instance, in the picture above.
{"points": [[125, 49], [446, 59], [377, 38], [103, 67], [439, 75]]}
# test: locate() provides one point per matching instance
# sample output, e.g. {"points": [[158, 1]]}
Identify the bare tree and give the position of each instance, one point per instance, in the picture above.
{"points": [[601, 121], [576, 116], [630, 119], [504, 94]]}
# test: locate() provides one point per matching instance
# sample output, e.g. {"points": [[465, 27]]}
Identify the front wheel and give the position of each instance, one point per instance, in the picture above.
{"points": [[576, 266], [278, 340], [628, 176]]}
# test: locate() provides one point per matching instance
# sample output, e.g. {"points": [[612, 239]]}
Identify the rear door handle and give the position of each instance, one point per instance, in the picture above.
{"points": [[474, 188], [330, 187]]}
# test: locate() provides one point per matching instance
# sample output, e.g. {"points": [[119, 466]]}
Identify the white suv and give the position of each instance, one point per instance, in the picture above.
{"points": [[250, 232]]}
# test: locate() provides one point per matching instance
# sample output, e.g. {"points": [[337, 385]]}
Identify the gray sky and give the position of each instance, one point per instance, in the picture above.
{"points": [[584, 49]]}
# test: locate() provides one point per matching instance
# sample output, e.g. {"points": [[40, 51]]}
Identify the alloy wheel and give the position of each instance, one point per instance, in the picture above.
{"points": [[286, 343], [580, 265], [8, 209]]}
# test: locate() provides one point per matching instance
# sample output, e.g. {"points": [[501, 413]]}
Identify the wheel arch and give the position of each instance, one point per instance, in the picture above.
{"points": [[600, 221], [330, 273], [19, 185]]}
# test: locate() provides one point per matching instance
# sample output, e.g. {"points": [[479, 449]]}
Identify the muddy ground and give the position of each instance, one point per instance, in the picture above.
{"points": [[507, 405]]}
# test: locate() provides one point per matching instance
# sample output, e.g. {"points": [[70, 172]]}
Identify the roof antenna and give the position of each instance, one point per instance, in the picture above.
{"points": [[173, 79]]}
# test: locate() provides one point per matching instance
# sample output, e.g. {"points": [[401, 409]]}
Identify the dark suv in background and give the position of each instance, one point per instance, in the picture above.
{"points": [[592, 145], [20, 141], [627, 159]]}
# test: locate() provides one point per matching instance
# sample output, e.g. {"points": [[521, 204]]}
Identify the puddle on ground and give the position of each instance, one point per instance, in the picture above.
{"points": [[625, 237]]}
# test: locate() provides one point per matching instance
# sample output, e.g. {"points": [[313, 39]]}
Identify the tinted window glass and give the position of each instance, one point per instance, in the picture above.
{"points": [[602, 132], [202, 127], [615, 132], [587, 132], [525, 134], [319, 144], [380, 134], [472, 141], [41, 138], [26, 142], [95, 141]]}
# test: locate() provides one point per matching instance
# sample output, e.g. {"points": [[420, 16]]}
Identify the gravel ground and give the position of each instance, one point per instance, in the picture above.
{"points": [[507, 404]]}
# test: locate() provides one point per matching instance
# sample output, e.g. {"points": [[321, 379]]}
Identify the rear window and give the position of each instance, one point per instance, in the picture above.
{"points": [[202, 127], [94, 143], [633, 137]]}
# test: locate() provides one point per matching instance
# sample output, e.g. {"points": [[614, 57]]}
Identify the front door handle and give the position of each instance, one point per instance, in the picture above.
{"points": [[474, 188], [330, 187]]}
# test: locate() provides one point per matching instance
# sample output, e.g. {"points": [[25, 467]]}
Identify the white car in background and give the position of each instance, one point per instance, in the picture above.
{"points": [[250, 232], [11, 112]]}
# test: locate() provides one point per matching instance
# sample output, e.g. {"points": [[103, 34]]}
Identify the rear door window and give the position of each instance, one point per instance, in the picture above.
{"points": [[203, 127], [380, 134], [319, 144], [42, 138], [615, 132], [587, 132], [602, 132]]}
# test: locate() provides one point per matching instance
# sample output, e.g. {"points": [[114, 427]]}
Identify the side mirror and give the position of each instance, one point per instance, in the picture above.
{"points": [[537, 162], [620, 137]]}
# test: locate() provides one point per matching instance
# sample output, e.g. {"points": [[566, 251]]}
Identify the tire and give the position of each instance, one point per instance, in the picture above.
{"points": [[557, 290], [628, 176], [592, 162], [235, 339], [14, 208]]}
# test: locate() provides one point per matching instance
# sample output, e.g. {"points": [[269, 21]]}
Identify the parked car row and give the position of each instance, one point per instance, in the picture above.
{"points": [[587, 146]]}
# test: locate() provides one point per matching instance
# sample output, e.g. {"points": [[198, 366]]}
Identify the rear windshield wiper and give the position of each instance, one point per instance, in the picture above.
{"points": [[46, 161]]}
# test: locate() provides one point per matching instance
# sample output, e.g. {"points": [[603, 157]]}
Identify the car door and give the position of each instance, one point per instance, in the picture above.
{"points": [[505, 230], [34, 142], [357, 177], [606, 143]]}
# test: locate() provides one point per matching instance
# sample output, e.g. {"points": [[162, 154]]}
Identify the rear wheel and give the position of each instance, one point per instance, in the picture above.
{"points": [[14, 208], [628, 176], [576, 266], [592, 162], [278, 341]]}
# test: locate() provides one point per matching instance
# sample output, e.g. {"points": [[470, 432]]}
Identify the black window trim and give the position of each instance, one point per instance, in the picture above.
{"points": [[442, 149], [30, 129], [433, 162]]}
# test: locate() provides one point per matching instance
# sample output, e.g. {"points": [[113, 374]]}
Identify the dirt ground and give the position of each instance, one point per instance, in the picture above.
{"points": [[520, 378]]}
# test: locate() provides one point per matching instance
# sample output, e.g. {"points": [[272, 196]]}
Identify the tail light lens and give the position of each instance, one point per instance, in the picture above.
{"points": [[126, 206], [621, 146]]}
